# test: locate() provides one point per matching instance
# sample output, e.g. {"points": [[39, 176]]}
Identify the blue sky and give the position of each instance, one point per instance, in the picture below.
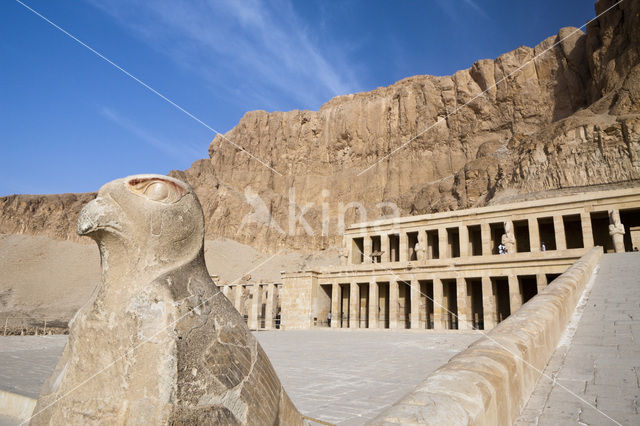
{"points": [[69, 121]]}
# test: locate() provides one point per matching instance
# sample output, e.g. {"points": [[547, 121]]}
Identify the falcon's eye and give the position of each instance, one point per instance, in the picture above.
{"points": [[157, 189]]}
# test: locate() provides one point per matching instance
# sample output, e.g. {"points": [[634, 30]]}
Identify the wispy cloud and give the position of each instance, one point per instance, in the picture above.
{"points": [[253, 51], [180, 150], [477, 8], [453, 9]]}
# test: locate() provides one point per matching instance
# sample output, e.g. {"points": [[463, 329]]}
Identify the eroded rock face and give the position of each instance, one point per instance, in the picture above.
{"points": [[568, 119], [159, 343]]}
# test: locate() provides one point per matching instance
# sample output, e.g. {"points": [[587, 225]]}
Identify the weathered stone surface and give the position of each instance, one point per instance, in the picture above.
{"points": [[569, 118], [159, 343]]}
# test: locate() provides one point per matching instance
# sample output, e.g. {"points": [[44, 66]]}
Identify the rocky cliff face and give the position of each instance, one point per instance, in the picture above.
{"points": [[564, 113]]}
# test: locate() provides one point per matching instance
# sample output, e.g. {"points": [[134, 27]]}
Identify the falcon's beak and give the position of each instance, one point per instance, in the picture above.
{"points": [[95, 215]]}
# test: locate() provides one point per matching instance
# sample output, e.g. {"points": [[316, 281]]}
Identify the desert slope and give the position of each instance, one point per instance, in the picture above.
{"points": [[46, 278]]}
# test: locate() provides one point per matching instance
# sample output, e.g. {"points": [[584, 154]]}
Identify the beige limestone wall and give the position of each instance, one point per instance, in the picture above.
{"points": [[490, 381]]}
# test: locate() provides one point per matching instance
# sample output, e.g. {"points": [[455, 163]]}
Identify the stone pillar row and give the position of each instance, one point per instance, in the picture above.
{"points": [[235, 293], [441, 303], [487, 248]]}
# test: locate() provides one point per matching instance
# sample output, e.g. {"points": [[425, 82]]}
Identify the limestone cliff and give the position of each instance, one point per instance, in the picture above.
{"points": [[513, 125]]}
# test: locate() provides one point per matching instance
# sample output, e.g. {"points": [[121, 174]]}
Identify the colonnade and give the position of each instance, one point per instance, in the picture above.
{"points": [[259, 304], [530, 233], [473, 302], [460, 269]]}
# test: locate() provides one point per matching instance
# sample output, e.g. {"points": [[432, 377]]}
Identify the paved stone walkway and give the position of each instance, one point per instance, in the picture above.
{"points": [[600, 363], [349, 377], [8, 421], [343, 377], [27, 361]]}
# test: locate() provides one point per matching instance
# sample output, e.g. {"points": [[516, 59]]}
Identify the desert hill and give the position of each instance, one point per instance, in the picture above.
{"points": [[43, 278], [563, 114]]}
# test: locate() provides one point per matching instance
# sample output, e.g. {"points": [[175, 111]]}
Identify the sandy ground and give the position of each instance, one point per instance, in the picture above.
{"points": [[45, 278]]}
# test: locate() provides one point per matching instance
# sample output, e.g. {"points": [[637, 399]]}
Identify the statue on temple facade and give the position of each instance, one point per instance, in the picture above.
{"points": [[421, 247], [508, 239], [616, 230], [344, 253]]}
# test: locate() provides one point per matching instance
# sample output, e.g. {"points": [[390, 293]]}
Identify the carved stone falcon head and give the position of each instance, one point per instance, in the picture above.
{"points": [[155, 222]]}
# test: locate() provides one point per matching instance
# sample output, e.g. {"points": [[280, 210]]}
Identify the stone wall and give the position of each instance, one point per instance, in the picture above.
{"points": [[492, 379]]}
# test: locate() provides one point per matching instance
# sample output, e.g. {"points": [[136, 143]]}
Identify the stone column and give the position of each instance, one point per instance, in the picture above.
{"points": [[438, 305], [465, 321], [237, 302], [541, 282], [464, 241], [558, 226], [384, 247], [373, 304], [404, 247], [349, 247], [443, 243], [488, 304], [336, 302], [515, 295], [415, 304], [256, 305], [393, 304], [485, 235], [367, 243], [587, 232], [534, 235], [354, 305], [268, 311]]}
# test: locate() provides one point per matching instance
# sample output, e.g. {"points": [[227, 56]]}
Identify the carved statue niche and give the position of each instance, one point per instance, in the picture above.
{"points": [[616, 231], [508, 238]]}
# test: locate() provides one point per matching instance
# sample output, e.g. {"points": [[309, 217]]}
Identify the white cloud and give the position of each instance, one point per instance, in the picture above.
{"points": [[251, 49]]}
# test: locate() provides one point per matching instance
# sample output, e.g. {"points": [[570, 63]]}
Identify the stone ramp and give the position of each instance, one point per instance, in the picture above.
{"points": [[600, 363]]}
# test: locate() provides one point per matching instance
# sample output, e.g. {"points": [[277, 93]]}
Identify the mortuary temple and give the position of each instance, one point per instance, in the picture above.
{"points": [[464, 269]]}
